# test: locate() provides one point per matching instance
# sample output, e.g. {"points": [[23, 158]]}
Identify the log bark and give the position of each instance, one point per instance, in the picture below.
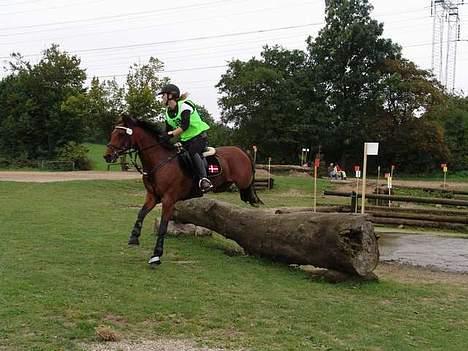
{"points": [[342, 242]]}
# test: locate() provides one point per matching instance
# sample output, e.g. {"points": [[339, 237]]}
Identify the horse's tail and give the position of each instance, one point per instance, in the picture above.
{"points": [[250, 194]]}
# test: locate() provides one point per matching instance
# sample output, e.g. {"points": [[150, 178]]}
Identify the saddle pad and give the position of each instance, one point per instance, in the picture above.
{"points": [[214, 168]]}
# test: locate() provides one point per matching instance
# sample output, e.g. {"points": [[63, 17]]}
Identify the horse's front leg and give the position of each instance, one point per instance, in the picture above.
{"points": [[167, 210], [149, 204]]}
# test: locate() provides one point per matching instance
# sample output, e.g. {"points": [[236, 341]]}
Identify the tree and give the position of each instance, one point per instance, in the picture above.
{"points": [[262, 101], [36, 119], [408, 138], [105, 103], [219, 133], [346, 60], [452, 116], [143, 83]]}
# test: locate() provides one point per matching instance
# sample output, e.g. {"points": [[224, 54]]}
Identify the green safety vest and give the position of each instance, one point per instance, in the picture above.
{"points": [[196, 126]]}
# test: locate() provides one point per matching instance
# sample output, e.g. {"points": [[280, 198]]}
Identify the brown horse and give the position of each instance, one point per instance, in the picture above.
{"points": [[166, 177]]}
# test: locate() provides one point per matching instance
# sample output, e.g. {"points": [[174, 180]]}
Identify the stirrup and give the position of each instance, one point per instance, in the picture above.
{"points": [[207, 188]]}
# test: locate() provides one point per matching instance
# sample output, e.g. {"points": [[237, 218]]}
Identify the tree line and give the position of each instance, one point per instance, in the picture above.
{"points": [[350, 85]]}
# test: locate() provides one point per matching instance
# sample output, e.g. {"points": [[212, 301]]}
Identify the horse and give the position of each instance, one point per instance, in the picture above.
{"points": [[167, 177]]}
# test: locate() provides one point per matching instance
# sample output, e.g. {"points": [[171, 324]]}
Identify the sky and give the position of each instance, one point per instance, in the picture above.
{"points": [[196, 39]]}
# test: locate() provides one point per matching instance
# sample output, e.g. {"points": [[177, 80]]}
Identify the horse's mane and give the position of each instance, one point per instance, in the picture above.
{"points": [[155, 131]]}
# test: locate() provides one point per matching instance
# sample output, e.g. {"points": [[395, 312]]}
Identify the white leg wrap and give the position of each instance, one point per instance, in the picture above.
{"points": [[154, 259]]}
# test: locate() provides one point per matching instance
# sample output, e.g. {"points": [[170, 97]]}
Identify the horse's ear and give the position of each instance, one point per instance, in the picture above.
{"points": [[128, 121]]}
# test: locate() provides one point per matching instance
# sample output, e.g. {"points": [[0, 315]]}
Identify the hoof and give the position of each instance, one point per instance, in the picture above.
{"points": [[154, 261], [133, 241]]}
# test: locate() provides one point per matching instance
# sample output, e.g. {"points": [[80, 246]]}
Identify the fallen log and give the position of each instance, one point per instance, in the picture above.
{"points": [[342, 242]]}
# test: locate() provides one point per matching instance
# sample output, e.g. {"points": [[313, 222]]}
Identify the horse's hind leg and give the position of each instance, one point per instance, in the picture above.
{"points": [[167, 210], [250, 195], [149, 204]]}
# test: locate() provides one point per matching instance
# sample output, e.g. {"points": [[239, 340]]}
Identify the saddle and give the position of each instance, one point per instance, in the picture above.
{"points": [[209, 158]]}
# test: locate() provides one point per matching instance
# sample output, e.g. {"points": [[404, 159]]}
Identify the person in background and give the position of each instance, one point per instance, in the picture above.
{"points": [[183, 121], [331, 170], [340, 173]]}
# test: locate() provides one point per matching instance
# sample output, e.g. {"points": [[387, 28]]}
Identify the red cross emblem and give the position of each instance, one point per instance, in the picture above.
{"points": [[213, 168]]}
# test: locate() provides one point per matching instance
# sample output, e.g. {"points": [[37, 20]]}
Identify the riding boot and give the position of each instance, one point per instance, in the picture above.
{"points": [[204, 183]]}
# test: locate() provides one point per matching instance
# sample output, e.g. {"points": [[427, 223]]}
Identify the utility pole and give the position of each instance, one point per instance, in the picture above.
{"points": [[445, 30]]}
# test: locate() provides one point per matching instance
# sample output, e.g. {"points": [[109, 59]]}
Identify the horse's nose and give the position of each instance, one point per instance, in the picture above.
{"points": [[108, 158]]}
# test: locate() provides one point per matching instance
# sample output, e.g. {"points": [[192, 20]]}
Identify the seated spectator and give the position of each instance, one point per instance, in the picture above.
{"points": [[340, 173], [331, 170]]}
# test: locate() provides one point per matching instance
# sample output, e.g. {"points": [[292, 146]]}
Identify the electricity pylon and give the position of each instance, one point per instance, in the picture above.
{"points": [[445, 35]]}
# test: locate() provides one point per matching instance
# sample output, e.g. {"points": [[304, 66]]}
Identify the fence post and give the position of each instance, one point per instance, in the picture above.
{"points": [[353, 201]]}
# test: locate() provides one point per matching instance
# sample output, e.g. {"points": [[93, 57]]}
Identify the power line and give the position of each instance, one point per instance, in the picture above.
{"points": [[168, 71], [115, 17], [226, 35], [126, 29]]}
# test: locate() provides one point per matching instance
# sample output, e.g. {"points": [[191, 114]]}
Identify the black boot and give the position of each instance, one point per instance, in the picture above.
{"points": [[204, 184]]}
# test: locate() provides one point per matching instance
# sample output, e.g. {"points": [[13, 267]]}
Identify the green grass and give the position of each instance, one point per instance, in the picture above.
{"points": [[458, 176], [65, 269], [95, 155]]}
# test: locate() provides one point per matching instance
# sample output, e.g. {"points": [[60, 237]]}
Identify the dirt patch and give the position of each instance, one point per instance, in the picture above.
{"points": [[147, 345], [45, 177], [418, 275]]}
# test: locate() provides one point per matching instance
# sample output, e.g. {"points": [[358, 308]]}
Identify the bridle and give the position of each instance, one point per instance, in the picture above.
{"points": [[119, 151], [133, 151]]}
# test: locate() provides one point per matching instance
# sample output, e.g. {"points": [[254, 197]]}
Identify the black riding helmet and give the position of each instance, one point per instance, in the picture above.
{"points": [[170, 89]]}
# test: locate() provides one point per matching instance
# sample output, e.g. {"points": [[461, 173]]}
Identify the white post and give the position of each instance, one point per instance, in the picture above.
{"points": [[378, 179], [364, 171], [315, 187], [269, 172], [357, 195]]}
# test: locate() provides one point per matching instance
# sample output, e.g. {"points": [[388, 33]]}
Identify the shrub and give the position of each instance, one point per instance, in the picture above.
{"points": [[76, 153]]}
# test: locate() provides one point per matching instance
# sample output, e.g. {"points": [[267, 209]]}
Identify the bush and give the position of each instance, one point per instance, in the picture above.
{"points": [[76, 153]]}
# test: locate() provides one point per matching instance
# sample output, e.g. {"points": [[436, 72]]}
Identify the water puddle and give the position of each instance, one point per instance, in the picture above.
{"points": [[435, 252]]}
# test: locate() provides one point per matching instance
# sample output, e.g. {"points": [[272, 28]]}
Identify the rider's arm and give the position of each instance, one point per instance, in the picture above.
{"points": [[168, 127], [185, 120]]}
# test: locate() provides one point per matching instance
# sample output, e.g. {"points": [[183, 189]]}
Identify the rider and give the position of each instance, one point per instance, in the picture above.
{"points": [[182, 119]]}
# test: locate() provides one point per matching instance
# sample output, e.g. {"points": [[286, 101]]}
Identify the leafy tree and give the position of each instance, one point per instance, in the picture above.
{"points": [[35, 117], [346, 60], [419, 146], [262, 101], [407, 95], [452, 116], [105, 103], [143, 82], [219, 134]]}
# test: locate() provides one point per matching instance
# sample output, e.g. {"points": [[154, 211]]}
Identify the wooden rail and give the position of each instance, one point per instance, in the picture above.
{"points": [[427, 200]]}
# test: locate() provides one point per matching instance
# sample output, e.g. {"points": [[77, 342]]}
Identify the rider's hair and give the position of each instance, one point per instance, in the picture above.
{"points": [[183, 96]]}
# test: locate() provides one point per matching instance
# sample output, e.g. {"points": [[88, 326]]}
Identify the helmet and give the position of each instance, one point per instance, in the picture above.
{"points": [[170, 89]]}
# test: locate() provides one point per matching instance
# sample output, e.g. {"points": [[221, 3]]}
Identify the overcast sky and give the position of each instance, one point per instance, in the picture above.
{"points": [[195, 39]]}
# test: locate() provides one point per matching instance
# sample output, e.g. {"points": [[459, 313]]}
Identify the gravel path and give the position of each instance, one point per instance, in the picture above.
{"points": [[157, 345], [45, 177]]}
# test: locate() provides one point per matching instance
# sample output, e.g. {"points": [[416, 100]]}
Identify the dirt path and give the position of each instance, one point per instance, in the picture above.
{"points": [[45, 177]]}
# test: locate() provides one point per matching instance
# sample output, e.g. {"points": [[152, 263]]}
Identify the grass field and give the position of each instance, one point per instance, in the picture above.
{"points": [[65, 270], [95, 155]]}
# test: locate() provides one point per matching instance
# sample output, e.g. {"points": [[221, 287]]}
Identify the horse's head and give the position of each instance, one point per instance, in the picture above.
{"points": [[121, 139]]}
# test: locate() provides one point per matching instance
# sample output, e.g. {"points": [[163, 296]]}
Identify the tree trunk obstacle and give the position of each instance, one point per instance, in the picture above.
{"points": [[342, 242]]}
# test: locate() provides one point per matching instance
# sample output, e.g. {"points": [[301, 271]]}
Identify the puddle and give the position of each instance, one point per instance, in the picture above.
{"points": [[435, 252]]}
